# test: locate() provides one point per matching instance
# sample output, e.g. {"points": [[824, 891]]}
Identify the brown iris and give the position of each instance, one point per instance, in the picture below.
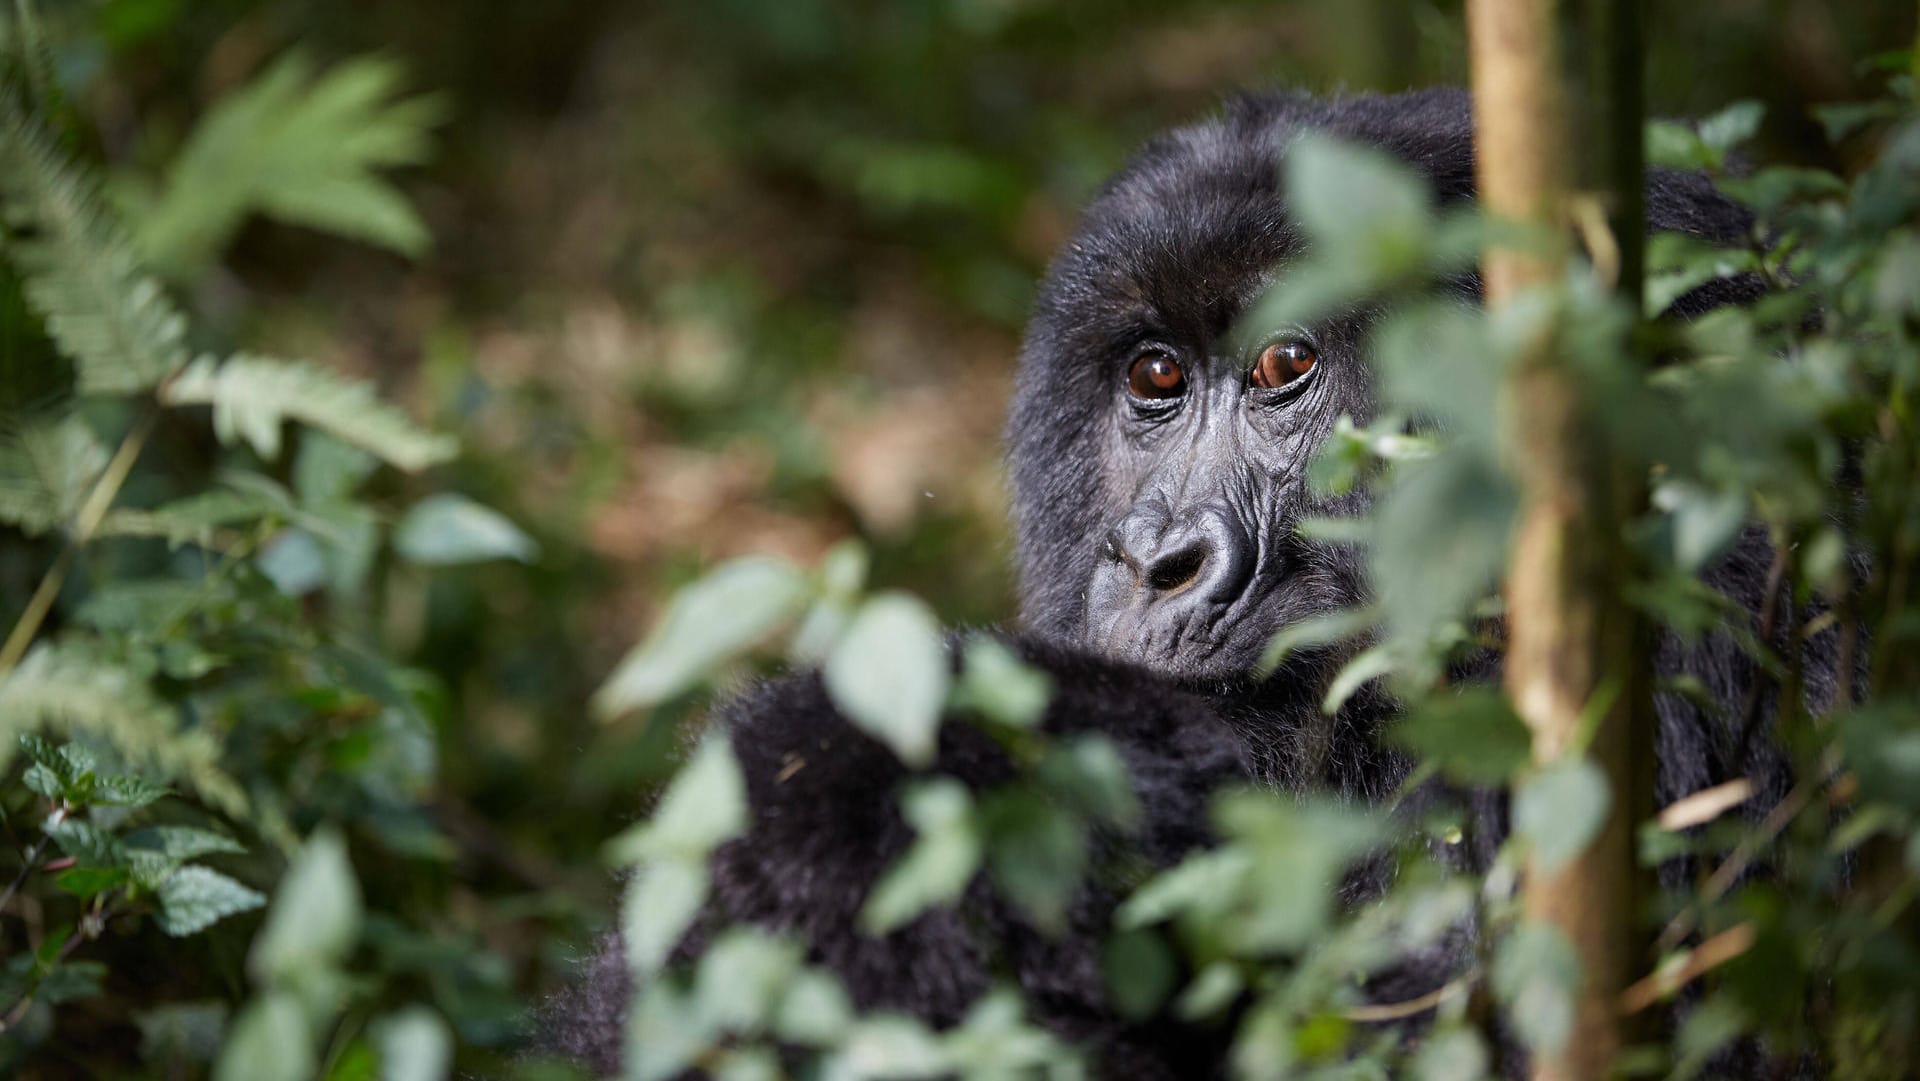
{"points": [[1155, 376], [1283, 362]]}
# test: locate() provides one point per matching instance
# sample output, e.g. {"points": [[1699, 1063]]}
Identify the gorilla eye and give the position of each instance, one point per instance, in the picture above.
{"points": [[1156, 376], [1283, 362]]}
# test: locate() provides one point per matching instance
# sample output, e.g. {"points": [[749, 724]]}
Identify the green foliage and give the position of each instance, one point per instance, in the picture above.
{"points": [[276, 655], [304, 147], [252, 397], [111, 318]]}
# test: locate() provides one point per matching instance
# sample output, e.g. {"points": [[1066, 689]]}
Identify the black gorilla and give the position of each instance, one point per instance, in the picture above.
{"points": [[1157, 479]]}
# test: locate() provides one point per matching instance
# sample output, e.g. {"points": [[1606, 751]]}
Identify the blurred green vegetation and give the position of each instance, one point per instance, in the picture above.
{"points": [[701, 279]]}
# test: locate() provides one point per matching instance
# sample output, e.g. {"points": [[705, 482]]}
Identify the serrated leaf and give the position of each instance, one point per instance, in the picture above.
{"points": [[181, 842], [301, 147], [67, 687], [47, 470], [87, 843], [315, 917], [193, 899], [445, 529], [252, 396], [123, 790], [80, 271], [889, 674], [707, 624], [196, 519]]}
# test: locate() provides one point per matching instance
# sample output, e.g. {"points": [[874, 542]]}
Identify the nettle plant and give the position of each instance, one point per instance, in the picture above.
{"points": [[1794, 414], [192, 701]]}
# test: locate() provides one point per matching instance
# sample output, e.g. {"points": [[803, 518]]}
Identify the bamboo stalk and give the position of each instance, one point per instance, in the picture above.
{"points": [[1567, 631]]}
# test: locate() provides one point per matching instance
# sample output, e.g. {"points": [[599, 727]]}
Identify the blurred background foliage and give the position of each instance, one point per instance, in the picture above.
{"points": [[689, 280]]}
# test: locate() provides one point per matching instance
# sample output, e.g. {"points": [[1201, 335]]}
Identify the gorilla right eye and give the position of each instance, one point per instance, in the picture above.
{"points": [[1156, 376]]}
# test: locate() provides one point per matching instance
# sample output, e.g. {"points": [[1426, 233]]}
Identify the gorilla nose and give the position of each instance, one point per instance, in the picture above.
{"points": [[1206, 556]]}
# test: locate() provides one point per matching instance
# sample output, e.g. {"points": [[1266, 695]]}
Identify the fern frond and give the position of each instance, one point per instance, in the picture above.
{"points": [[81, 275], [203, 519], [71, 689], [301, 148], [47, 470], [251, 397]]}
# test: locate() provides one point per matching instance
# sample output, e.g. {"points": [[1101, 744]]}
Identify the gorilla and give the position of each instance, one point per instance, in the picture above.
{"points": [[1158, 471]]}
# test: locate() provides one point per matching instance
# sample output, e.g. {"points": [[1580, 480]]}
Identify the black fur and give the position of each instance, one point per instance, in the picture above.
{"points": [[1170, 253]]}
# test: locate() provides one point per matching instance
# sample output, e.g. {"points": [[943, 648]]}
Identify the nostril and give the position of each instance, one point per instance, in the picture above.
{"points": [[1177, 569]]}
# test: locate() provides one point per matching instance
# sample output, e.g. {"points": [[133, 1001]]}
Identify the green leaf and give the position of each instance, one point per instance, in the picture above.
{"points": [[414, 1046], [253, 396], [1844, 118], [80, 272], [1000, 686], [709, 622], [889, 674], [1677, 146], [193, 899], [1350, 194], [815, 1012], [1473, 735], [196, 519], [69, 687], [1454, 1054], [1732, 126], [704, 806], [742, 978], [1036, 851], [1561, 810], [122, 790], [1202, 881], [87, 843], [1536, 974], [661, 902], [47, 470], [269, 1041], [882, 1045], [1704, 522], [1363, 668], [1140, 972], [1088, 774], [303, 148], [1882, 743], [446, 528], [181, 843], [936, 870], [315, 917], [86, 882]]}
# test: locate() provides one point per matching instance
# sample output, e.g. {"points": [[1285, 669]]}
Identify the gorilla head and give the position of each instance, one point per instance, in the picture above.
{"points": [[1159, 446], [1158, 443]]}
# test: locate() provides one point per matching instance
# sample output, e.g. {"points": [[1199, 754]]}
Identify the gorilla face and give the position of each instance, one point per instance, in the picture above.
{"points": [[1159, 442]]}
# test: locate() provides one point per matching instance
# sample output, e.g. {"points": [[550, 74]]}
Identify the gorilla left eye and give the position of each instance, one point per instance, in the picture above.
{"points": [[1283, 362]]}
